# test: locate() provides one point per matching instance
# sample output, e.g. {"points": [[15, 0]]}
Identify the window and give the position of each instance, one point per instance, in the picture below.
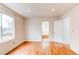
{"points": [[45, 27], [7, 27]]}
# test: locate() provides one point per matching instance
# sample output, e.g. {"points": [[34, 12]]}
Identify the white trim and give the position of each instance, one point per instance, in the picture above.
{"points": [[35, 40], [75, 50]]}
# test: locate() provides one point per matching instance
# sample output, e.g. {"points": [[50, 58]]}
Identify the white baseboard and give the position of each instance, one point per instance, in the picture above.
{"points": [[13, 47], [36, 40], [75, 50]]}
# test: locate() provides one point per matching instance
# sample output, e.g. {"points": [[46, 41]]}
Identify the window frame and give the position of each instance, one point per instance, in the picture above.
{"points": [[13, 17], [48, 32]]}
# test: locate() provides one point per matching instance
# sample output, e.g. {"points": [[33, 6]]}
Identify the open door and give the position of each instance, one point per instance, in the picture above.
{"points": [[45, 36]]}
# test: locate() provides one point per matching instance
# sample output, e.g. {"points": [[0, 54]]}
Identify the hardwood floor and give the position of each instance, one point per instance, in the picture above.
{"points": [[35, 48]]}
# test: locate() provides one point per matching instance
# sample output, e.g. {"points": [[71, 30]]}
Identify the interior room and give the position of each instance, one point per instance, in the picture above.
{"points": [[39, 28]]}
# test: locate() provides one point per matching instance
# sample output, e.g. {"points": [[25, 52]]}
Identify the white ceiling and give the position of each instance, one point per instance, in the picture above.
{"points": [[40, 9]]}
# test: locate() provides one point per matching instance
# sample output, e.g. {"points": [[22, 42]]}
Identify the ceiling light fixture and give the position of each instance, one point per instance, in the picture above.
{"points": [[52, 10], [28, 10]]}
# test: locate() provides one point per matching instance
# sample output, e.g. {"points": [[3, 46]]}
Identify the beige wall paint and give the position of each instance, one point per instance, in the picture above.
{"points": [[73, 14], [19, 32]]}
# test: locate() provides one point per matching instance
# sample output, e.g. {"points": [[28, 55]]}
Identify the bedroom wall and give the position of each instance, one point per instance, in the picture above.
{"points": [[73, 14], [6, 46], [33, 28]]}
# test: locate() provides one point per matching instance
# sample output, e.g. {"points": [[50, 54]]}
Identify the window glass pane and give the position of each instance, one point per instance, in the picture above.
{"points": [[45, 27], [7, 27]]}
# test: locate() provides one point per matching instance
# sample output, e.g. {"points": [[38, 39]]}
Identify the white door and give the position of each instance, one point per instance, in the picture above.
{"points": [[58, 31], [66, 30]]}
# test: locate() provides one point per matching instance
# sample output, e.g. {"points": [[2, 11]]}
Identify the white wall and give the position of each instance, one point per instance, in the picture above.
{"points": [[19, 32], [73, 14], [34, 28]]}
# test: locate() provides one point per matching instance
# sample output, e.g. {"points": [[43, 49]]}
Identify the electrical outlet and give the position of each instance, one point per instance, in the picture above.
{"points": [[13, 42]]}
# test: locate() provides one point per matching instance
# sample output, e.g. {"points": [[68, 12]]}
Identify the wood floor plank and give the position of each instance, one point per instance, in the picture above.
{"points": [[35, 48]]}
